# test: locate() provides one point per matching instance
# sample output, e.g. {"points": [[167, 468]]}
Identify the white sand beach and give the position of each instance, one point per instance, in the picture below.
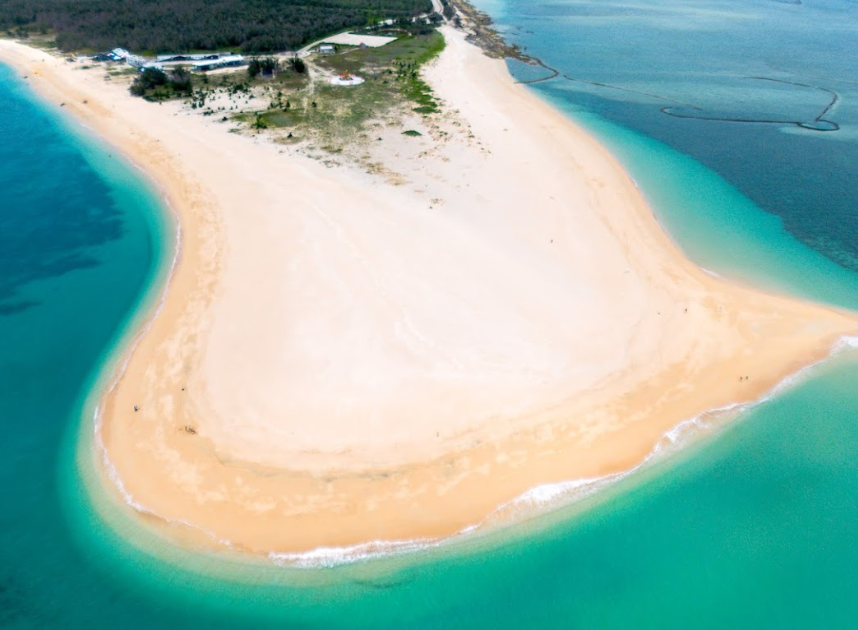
{"points": [[345, 356]]}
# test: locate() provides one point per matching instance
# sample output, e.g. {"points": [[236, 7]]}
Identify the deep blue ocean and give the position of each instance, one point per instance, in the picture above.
{"points": [[753, 525]]}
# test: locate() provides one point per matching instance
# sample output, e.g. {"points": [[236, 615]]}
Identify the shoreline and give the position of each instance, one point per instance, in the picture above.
{"points": [[537, 502], [546, 499], [205, 245]]}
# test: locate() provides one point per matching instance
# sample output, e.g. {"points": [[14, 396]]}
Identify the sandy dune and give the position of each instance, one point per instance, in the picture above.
{"points": [[341, 358]]}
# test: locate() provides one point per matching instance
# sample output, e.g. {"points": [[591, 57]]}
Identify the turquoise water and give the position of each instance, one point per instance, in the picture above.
{"points": [[751, 526]]}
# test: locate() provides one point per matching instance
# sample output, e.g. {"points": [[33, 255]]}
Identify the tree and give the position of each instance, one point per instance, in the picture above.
{"points": [[253, 68], [269, 65], [297, 64], [253, 26], [262, 65], [180, 80], [149, 79]]}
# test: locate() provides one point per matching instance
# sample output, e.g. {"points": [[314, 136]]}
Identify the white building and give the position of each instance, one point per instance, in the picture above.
{"points": [[229, 61], [178, 58]]}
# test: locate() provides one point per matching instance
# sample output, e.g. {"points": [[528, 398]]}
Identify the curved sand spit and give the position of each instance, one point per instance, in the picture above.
{"points": [[360, 360]]}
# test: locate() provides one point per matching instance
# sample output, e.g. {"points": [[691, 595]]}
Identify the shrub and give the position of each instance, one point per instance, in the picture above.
{"points": [[262, 65], [156, 83], [180, 80], [297, 64], [149, 79]]}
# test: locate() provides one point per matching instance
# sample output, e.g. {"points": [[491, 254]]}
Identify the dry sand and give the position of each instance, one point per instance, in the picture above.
{"points": [[359, 360]]}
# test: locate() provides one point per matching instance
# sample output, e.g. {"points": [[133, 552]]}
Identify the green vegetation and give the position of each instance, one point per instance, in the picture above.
{"points": [[305, 107], [296, 101], [266, 66], [122, 71], [413, 86], [240, 90], [252, 26], [199, 89], [394, 68], [156, 85]]}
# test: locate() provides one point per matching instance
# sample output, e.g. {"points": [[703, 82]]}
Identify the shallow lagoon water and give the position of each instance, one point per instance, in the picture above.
{"points": [[750, 526], [640, 64]]}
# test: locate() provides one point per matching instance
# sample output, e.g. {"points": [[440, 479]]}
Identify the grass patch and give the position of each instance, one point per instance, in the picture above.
{"points": [[330, 116], [123, 72], [282, 118], [398, 64]]}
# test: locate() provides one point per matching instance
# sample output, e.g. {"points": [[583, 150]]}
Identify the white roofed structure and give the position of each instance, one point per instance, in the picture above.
{"points": [[179, 57], [351, 39], [229, 61]]}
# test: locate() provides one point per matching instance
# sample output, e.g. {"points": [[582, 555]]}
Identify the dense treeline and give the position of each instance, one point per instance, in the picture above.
{"points": [[183, 25]]}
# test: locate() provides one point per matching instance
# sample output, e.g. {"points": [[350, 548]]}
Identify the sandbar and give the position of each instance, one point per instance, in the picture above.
{"points": [[344, 356]]}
